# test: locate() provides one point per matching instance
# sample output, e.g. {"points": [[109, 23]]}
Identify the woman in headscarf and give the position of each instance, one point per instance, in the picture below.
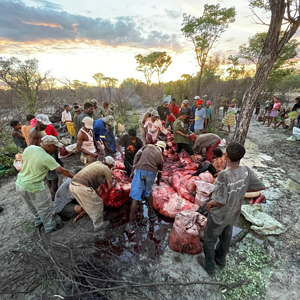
{"points": [[229, 119]]}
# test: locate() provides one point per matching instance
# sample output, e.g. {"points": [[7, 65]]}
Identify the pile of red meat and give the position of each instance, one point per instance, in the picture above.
{"points": [[176, 193], [121, 187]]}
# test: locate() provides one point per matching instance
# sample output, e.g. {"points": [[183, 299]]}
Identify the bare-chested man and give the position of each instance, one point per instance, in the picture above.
{"points": [[38, 131], [86, 143]]}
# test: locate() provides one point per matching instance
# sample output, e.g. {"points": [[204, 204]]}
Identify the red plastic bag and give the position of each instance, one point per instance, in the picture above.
{"points": [[186, 232]]}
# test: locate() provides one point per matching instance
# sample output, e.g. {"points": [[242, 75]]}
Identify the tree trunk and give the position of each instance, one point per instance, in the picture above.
{"points": [[199, 83], [267, 59]]}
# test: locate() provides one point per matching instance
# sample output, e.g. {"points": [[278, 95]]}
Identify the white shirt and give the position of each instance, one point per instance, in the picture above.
{"points": [[66, 116]]}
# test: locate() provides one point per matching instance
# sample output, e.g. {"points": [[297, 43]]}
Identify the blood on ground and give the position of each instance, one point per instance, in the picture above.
{"points": [[149, 239]]}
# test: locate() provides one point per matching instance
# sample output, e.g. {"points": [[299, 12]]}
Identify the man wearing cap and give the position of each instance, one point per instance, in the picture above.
{"points": [[180, 138], [38, 131], [209, 141], [84, 185], [87, 112], [154, 127], [109, 120], [200, 118], [86, 143], [37, 161], [163, 110], [188, 112], [148, 163], [100, 130], [142, 122], [172, 117], [96, 113]]}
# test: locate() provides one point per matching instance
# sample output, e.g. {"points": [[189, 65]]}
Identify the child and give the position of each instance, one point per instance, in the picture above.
{"points": [[283, 117], [261, 116], [219, 161], [224, 209], [17, 136]]}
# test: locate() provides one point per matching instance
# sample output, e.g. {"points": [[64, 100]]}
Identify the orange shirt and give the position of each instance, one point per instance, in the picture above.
{"points": [[25, 131]]}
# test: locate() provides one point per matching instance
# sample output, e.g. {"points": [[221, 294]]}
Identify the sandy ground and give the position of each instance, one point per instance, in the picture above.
{"points": [[274, 160]]}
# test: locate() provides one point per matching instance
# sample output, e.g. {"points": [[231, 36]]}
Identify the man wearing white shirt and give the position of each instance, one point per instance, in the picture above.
{"points": [[66, 115]]}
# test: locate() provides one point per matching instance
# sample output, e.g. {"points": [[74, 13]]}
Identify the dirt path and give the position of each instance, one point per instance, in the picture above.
{"points": [[276, 162]]}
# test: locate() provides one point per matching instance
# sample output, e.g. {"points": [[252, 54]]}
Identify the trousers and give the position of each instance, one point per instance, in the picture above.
{"points": [[90, 202], [209, 150], [39, 205], [212, 233], [110, 138]]}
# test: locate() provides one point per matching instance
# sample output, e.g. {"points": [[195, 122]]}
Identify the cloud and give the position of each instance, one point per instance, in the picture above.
{"points": [[48, 5], [173, 14], [229, 40], [22, 23]]}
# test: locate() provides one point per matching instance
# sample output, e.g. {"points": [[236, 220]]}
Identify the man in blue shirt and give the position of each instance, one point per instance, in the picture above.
{"points": [[101, 132], [200, 118]]}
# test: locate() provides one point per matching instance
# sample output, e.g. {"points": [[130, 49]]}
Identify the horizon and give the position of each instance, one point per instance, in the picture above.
{"points": [[76, 41]]}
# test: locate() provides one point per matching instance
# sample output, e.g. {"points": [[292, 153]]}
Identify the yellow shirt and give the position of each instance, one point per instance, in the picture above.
{"points": [[25, 131]]}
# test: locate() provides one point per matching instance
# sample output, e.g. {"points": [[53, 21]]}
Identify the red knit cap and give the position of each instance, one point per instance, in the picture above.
{"points": [[199, 102]]}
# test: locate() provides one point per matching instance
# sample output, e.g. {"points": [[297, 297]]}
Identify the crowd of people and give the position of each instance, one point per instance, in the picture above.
{"points": [[275, 113], [93, 130]]}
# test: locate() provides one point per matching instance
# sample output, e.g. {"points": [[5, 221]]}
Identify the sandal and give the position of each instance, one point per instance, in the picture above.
{"points": [[152, 217], [130, 229]]}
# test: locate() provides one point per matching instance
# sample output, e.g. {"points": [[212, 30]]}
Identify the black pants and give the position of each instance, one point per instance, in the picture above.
{"points": [[128, 166], [185, 147], [211, 234]]}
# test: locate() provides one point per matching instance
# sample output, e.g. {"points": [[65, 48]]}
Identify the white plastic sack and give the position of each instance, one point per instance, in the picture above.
{"points": [[18, 162], [203, 192], [262, 223], [223, 143], [72, 149], [296, 133]]}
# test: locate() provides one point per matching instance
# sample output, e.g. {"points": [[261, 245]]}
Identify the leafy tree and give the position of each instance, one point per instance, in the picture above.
{"points": [[154, 62], [110, 81], [160, 62], [284, 14], [145, 66], [99, 78], [251, 52], [25, 79], [204, 31]]}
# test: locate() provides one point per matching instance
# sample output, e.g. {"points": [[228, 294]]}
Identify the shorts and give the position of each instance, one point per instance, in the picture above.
{"points": [[185, 147], [68, 211], [141, 185]]}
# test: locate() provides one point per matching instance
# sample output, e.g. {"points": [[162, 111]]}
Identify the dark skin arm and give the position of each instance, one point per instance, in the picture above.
{"points": [[80, 139], [64, 171], [159, 174], [16, 133], [119, 149]]}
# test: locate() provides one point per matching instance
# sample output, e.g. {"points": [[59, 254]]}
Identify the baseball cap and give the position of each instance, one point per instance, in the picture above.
{"points": [[110, 120], [196, 97], [150, 110], [94, 101], [109, 160], [51, 140], [165, 101], [185, 101], [43, 119], [154, 113], [88, 122], [161, 144]]}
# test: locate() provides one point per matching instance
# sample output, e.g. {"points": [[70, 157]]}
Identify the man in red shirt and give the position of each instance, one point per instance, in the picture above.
{"points": [[175, 111]]}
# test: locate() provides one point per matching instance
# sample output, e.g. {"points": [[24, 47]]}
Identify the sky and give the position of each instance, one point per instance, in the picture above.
{"points": [[76, 39]]}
